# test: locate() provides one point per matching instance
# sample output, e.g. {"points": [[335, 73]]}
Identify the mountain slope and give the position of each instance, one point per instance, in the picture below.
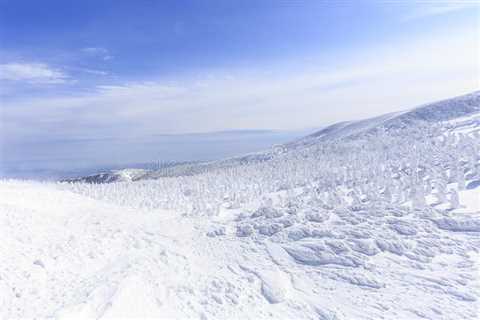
{"points": [[430, 113], [433, 112], [384, 223]]}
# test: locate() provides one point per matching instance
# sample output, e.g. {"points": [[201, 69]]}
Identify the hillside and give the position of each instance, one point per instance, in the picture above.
{"points": [[377, 218], [432, 113]]}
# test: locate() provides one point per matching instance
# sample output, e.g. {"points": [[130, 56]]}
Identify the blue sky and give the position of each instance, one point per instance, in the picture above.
{"points": [[133, 69], [152, 38]]}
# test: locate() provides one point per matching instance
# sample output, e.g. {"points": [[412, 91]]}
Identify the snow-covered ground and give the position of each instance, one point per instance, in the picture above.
{"points": [[382, 224]]}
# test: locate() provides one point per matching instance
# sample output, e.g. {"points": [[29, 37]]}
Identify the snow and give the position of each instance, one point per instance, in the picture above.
{"points": [[382, 224]]}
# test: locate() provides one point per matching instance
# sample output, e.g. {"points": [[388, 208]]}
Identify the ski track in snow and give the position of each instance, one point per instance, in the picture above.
{"points": [[69, 252]]}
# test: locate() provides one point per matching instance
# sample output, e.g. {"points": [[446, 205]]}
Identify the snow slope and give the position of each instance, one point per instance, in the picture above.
{"points": [[385, 225], [65, 255], [432, 113]]}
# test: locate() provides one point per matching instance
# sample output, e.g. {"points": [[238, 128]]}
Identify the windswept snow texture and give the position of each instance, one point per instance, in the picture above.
{"points": [[378, 221]]}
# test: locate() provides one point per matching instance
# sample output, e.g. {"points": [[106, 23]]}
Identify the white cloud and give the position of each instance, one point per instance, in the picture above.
{"points": [[98, 52], [373, 82], [94, 71], [423, 9], [37, 73]]}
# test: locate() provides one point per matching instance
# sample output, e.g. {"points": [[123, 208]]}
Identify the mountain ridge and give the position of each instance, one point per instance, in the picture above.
{"points": [[442, 110]]}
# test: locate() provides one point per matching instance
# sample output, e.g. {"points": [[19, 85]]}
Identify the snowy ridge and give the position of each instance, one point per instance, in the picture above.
{"points": [[433, 112], [382, 224]]}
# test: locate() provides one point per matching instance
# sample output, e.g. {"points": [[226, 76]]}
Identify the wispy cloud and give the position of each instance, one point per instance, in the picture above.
{"points": [[380, 80], [35, 73], [100, 52], [94, 71], [424, 9]]}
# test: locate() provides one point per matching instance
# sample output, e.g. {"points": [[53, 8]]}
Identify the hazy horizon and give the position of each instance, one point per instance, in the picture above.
{"points": [[65, 158]]}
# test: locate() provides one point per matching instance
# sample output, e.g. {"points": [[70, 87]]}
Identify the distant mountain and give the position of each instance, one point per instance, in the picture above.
{"points": [[111, 176]]}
